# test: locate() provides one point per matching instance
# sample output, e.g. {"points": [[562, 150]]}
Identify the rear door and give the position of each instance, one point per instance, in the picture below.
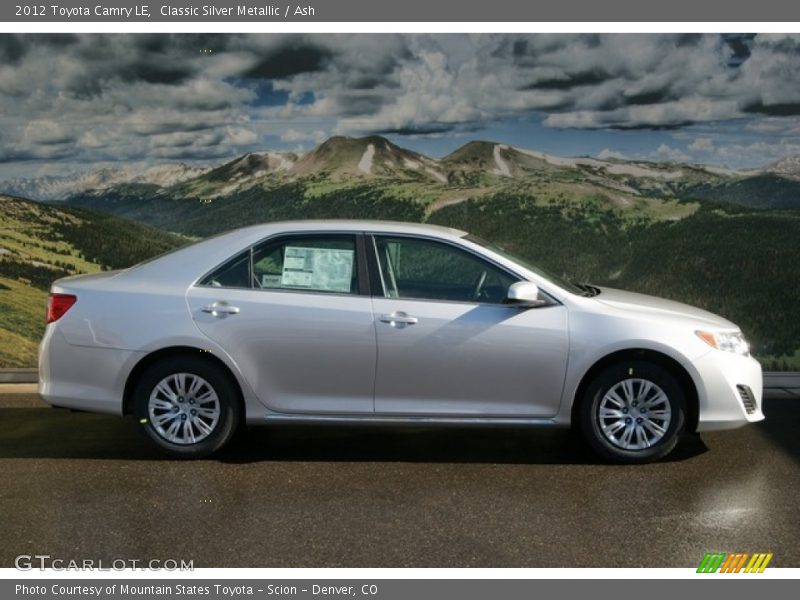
{"points": [[449, 346], [294, 313]]}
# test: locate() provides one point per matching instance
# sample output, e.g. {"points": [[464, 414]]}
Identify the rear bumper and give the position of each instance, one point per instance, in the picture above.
{"points": [[730, 391], [82, 377]]}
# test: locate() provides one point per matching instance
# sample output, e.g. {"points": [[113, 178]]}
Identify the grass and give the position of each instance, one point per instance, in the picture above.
{"points": [[17, 351], [22, 312]]}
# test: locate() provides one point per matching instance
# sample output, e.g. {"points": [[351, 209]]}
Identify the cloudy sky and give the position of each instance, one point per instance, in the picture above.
{"points": [[71, 102]]}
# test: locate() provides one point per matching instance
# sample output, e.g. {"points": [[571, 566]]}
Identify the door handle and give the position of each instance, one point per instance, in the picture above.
{"points": [[220, 309], [399, 318]]}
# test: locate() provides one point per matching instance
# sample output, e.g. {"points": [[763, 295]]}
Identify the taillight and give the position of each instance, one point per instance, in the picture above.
{"points": [[58, 304]]}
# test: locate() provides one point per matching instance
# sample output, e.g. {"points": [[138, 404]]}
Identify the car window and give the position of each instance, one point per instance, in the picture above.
{"points": [[424, 269], [313, 263], [233, 274]]}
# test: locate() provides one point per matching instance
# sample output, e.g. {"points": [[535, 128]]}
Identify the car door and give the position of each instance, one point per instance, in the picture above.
{"points": [[294, 313], [449, 346]]}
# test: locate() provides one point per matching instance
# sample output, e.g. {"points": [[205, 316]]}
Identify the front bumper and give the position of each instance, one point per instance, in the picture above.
{"points": [[730, 390]]}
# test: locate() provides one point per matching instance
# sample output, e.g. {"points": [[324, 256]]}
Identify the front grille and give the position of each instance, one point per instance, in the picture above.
{"points": [[748, 400]]}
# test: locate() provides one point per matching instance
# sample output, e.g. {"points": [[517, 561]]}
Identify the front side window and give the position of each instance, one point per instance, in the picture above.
{"points": [[429, 270], [311, 263]]}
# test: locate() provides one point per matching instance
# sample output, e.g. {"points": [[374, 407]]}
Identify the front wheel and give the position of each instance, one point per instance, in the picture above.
{"points": [[188, 406], [633, 412]]}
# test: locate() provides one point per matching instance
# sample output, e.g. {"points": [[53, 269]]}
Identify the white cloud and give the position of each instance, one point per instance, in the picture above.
{"points": [[702, 144], [137, 97], [293, 135], [607, 153], [665, 152], [761, 152]]}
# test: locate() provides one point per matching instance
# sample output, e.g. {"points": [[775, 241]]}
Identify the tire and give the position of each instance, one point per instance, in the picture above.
{"points": [[197, 395], [633, 412]]}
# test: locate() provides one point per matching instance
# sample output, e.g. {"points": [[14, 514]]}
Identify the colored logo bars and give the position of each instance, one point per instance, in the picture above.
{"points": [[734, 562]]}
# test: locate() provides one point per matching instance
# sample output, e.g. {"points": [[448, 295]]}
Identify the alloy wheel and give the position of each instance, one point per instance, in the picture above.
{"points": [[184, 408], [634, 414]]}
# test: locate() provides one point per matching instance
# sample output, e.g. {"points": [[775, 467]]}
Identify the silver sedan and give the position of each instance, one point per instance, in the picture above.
{"points": [[364, 322]]}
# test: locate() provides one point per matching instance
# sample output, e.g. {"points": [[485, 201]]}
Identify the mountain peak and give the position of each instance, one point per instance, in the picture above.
{"points": [[788, 166], [493, 159], [342, 157], [471, 150], [338, 142]]}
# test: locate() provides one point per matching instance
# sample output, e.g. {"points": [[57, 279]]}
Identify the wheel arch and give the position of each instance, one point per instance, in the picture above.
{"points": [[642, 354], [169, 352]]}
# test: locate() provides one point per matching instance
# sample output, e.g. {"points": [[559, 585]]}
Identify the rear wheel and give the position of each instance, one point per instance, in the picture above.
{"points": [[188, 406], [633, 412]]}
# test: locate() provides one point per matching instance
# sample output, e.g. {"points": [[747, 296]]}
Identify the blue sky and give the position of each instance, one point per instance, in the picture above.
{"points": [[75, 102]]}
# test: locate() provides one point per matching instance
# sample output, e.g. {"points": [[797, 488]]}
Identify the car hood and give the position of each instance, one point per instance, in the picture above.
{"points": [[642, 303]]}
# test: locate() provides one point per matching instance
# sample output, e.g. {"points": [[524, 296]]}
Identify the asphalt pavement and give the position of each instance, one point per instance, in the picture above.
{"points": [[79, 486]]}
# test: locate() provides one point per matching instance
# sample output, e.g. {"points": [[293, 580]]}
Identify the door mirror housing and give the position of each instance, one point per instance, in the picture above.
{"points": [[524, 294]]}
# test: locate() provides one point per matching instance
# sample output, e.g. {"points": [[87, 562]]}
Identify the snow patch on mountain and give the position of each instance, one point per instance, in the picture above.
{"points": [[789, 167], [501, 165], [284, 164], [724, 171], [436, 174], [365, 164]]}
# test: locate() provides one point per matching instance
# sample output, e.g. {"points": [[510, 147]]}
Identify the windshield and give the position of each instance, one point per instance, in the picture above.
{"points": [[561, 282]]}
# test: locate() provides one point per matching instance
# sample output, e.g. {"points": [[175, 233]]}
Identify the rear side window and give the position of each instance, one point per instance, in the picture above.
{"points": [[320, 263], [233, 274]]}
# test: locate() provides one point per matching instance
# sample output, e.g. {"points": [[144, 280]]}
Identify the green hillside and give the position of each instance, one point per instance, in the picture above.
{"points": [[40, 243], [761, 191]]}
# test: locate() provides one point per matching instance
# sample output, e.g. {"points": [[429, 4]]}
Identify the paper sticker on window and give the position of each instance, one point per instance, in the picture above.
{"points": [[270, 281], [323, 269]]}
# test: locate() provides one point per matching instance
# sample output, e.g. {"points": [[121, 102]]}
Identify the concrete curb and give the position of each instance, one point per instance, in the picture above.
{"points": [[782, 384], [19, 375]]}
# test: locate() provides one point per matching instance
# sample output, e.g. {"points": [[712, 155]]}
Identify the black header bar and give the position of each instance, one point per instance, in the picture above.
{"points": [[441, 11]]}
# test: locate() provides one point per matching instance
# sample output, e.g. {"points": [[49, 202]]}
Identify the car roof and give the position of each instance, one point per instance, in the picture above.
{"points": [[350, 225]]}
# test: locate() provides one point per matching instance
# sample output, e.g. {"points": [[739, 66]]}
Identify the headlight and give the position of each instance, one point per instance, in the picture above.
{"points": [[728, 341]]}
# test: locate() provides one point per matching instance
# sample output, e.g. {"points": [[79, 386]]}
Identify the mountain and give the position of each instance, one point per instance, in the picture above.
{"points": [[341, 158], [40, 243], [375, 167], [239, 174], [475, 167], [55, 188], [788, 167], [483, 161]]}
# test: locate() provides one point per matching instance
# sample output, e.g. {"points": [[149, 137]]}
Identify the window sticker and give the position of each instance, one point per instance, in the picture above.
{"points": [[323, 269], [270, 281]]}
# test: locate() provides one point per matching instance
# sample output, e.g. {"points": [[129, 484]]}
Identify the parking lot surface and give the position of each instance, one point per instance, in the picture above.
{"points": [[79, 486]]}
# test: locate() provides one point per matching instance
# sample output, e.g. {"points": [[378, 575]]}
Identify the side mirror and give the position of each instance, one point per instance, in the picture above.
{"points": [[524, 294]]}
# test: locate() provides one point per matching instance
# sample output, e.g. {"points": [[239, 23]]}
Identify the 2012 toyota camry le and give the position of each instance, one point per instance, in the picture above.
{"points": [[361, 322]]}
